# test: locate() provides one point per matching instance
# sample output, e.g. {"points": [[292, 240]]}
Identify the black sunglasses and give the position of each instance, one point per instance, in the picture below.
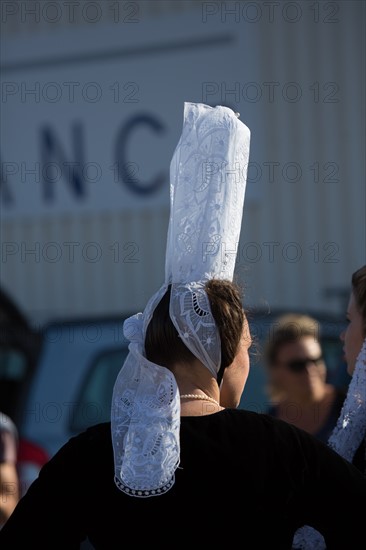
{"points": [[298, 365]]}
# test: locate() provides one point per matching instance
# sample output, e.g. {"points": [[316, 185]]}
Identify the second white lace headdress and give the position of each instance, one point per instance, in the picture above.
{"points": [[207, 186]]}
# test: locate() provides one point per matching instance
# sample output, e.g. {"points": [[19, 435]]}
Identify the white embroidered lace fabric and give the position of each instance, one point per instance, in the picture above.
{"points": [[207, 185], [191, 315], [146, 420], [345, 439], [208, 174]]}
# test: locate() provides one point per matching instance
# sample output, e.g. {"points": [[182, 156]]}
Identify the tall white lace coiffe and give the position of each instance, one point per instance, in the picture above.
{"points": [[208, 174], [345, 439]]}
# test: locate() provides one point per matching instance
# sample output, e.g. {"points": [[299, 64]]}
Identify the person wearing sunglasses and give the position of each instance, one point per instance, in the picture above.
{"points": [[297, 383]]}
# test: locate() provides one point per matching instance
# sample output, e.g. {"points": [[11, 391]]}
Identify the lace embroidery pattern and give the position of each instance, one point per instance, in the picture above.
{"points": [[191, 314], [351, 425], [208, 175], [146, 420]]}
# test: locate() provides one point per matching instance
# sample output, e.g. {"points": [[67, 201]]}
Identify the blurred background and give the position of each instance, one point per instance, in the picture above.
{"points": [[92, 97]]}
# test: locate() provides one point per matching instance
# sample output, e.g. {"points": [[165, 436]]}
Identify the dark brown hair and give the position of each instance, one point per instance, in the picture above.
{"points": [[287, 329], [163, 344], [359, 292]]}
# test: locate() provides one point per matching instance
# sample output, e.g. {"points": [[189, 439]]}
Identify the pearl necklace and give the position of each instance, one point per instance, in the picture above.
{"points": [[201, 397]]}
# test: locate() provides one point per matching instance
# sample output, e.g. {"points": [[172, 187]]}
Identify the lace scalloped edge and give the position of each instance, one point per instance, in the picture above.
{"points": [[144, 493]]}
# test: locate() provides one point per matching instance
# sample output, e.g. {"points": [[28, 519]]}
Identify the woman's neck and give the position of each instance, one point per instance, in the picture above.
{"points": [[198, 408], [197, 383]]}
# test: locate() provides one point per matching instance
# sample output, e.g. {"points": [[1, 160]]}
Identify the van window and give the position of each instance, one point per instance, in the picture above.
{"points": [[13, 369], [94, 403]]}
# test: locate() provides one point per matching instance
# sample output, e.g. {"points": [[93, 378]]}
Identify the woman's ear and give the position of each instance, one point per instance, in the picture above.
{"points": [[234, 378], [235, 375]]}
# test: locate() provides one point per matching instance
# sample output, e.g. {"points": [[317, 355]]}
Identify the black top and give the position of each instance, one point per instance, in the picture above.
{"points": [[245, 480], [359, 460]]}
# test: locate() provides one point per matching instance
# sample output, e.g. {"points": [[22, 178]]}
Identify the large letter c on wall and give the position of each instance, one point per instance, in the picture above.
{"points": [[124, 173]]}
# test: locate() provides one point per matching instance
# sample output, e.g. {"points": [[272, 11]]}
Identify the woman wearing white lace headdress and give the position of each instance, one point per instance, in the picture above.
{"points": [[349, 436], [177, 456]]}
